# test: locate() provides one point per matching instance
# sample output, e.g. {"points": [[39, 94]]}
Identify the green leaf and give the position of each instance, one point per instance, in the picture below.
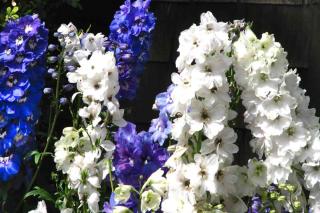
{"points": [[40, 193], [37, 158], [14, 10], [15, 16], [30, 154], [8, 10]]}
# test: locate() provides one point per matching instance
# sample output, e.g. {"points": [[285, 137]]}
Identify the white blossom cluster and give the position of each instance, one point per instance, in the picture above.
{"points": [[84, 154], [285, 131], [201, 176], [96, 76]]}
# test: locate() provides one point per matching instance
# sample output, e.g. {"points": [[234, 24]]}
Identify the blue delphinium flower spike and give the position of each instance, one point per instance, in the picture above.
{"points": [[136, 156], [130, 40], [23, 45]]}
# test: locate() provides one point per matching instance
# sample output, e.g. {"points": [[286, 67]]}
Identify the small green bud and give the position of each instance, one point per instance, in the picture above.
{"points": [[219, 206], [296, 204], [281, 198], [273, 211], [291, 188], [282, 186], [274, 195]]}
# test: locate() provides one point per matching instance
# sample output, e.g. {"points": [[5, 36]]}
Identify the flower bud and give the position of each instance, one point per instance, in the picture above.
{"points": [[54, 75], [63, 101], [47, 90], [56, 34], [68, 87], [72, 34], [52, 47], [219, 206], [51, 70], [297, 204], [52, 59], [70, 68], [281, 198], [291, 188], [274, 195]]}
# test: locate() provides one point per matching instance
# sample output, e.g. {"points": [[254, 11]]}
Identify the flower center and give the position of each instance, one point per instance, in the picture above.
{"points": [[11, 81], [204, 114], [3, 71], [19, 40], [28, 28], [19, 58], [32, 44], [8, 51]]}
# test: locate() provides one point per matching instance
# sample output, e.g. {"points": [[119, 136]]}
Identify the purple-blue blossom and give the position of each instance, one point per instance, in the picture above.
{"points": [[136, 156], [130, 39], [23, 44], [160, 128]]}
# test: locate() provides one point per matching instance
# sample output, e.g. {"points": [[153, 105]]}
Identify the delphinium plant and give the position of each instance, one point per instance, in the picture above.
{"points": [[184, 162]]}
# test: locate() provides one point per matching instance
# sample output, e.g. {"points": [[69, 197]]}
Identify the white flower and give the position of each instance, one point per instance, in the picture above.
{"points": [[158, 183], [257, 172], [244, 186], [117, 118], [67, 210], [274, 127], [278, 169], [150, 201], [202, 116], [314, 200], [91, 112], [93, 42], [312, 174], [225, 181], [279, 105], [293, 139], [121, 209], [41, 208], [183, 92], [234, 204], [202, 173], [93, 201], [122, 193], [223, 145]]}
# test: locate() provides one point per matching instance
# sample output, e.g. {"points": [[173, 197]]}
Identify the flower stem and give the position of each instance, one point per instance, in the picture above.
{"points": [[110, 174], [50, 134]]}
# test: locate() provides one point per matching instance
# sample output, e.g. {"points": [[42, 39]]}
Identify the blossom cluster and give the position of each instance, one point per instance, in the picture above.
{"points": [[201, 176], [136, 158], [84, 154], [23, 44], [96, 75], [285, 131], [130, 39]]}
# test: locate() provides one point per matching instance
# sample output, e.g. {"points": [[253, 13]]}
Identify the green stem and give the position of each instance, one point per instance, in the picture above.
{"points": [[110, 175], [50, 135]]}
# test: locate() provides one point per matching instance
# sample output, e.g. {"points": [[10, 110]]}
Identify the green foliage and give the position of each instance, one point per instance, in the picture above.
{"points": [[37, 155], [40, 194], [11, 13]]}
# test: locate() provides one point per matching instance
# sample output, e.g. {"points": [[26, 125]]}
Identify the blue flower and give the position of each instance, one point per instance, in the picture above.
{"points": [[256, 204], [160, 128], [163, 101], [136, 156], [130, 40], [132, 204], [23, 45], [9, 166]]}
